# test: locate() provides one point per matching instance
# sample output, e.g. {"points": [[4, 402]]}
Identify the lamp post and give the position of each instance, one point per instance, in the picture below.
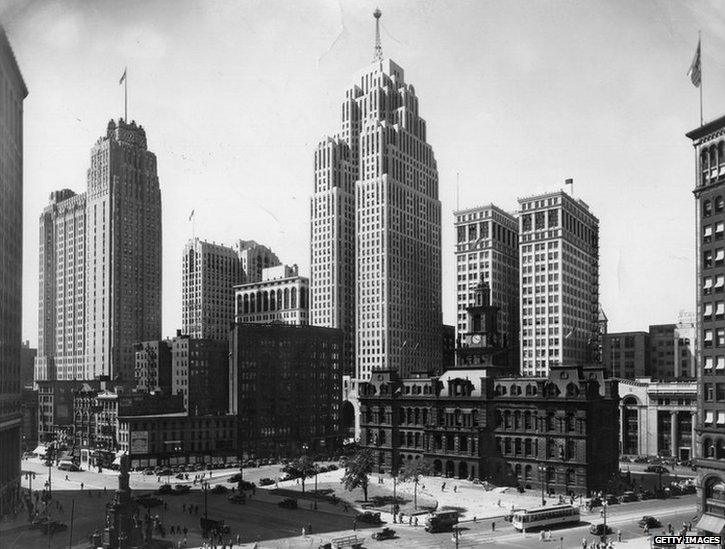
{"points": [[456, 534], [604, 515], [542, 478], [205, 487]]}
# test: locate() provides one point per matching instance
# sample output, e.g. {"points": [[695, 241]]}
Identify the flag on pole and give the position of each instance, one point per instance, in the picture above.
{"points": [[695, 72], [191, 215], [123, 78]]}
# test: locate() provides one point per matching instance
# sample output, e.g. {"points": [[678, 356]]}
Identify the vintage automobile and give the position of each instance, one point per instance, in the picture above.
{"points": [[288, 503], [369, 517], [164, 489], [385, 533]]}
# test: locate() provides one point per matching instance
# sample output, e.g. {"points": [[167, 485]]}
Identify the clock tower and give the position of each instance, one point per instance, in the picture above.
{"points": [[483, 345]]}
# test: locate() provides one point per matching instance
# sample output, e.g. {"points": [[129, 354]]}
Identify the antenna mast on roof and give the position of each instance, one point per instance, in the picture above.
{"points": [[378, 48]]}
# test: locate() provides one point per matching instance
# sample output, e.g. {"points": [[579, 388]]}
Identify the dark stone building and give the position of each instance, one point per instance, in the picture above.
{"points": [[449, 346], [196, 369], [560, 430], [709, 143], [30, 419], [286, 387]]}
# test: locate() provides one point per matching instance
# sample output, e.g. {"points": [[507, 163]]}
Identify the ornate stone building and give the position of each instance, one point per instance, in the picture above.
{"points": [[559, 430]]}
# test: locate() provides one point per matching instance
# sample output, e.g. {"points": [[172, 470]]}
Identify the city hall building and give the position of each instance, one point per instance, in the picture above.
{"points": [[559, 430]]}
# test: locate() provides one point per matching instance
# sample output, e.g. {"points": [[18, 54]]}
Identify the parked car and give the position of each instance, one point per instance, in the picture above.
{"points": [[369, 517], [236, 477], [649, 522], [237, 498], [164, 473], [657, 469], [288, 503], [628, 497], [165, 489], [219, 489], [611, 499], [600, 529], [181, 489], [148, 471], [266, 482], [180, 476], [640, 459], [210, 525], [52, 526], [594, 502], [385, 533], [65, 465]]}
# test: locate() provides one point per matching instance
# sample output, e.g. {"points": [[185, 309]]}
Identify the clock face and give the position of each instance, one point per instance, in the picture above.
{"points": [[476, 339]]}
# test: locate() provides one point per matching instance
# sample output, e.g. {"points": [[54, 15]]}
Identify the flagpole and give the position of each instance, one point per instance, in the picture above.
{"points": [[699, 41], [125, 96]]}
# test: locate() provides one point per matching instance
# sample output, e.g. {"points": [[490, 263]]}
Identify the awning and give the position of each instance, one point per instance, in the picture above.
{"points": [[40, 450], [712, 524]]}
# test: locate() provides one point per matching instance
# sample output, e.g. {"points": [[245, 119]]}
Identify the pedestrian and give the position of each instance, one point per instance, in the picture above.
{"points": [[455, 488], [443, 487], [584, 543], [493, 526], [344, 506], [239, 539], [66, 477], [354, 524], [415, 521], [410, 520], [619, 535], [81, 486], [172, 529]]}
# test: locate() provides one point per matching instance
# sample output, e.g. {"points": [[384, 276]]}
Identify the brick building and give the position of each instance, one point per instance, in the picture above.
{"points": [[285, 387]]}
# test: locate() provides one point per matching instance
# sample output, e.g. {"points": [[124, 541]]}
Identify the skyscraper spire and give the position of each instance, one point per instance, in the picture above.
{"points": [[378, 48]]}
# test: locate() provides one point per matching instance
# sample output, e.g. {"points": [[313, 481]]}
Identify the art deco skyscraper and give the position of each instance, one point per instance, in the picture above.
{"points": [[12, 94], [123, 250], [559, 251], [375, 226], [62, 275]]}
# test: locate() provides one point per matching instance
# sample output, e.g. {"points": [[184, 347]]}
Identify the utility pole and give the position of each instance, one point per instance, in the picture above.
{"points": [[604, 514]]}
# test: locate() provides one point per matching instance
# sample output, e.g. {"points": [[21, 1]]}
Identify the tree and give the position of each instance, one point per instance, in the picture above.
{"points": [[303, 467], [413, 469], [359, 466]]}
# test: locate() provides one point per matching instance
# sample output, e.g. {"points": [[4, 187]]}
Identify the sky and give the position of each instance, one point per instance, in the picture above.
{"points": [[518, 96]]}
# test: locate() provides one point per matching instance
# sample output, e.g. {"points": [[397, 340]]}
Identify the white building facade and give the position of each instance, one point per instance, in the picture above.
{"points": [[281, 296], [559, 281]]}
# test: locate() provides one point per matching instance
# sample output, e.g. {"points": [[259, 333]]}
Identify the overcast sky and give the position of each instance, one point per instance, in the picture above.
{"points": [[518, 96]]}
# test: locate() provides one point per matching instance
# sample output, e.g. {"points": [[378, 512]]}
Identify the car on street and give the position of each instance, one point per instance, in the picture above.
{"points": [[164, 489], [180, 489], [385, 533], [594, 502], [148, 471], [219, 489], [628, 497], [68, 466], [288, 503], [369, 517], [237, 498], [660, 469], [266, 482], [611, 499], [600, 529], [50, 526], [648, 521]]}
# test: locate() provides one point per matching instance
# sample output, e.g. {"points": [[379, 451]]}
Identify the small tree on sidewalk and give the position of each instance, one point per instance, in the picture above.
{"points": [[302, 467], [357, 471], [413, 469]]}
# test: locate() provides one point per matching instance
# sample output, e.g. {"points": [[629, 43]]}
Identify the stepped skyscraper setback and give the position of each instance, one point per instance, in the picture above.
{"points": [[376, 228]]}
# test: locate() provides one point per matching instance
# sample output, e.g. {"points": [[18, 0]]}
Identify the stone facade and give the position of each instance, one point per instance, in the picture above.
{"points": [[559, 430]]}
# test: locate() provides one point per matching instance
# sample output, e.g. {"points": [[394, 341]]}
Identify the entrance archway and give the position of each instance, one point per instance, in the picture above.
{"points": [[462, 470], [450, 469], [437, 467]]}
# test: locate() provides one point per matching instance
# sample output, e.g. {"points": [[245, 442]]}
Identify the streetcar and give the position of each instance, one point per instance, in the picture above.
{"points": [[545, 517]]}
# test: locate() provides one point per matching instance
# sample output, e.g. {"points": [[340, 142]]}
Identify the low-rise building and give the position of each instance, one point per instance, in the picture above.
{"points": [[626, 354], [281, 296], [285, 387], [557, 431], [177, 438], [658, 418]]}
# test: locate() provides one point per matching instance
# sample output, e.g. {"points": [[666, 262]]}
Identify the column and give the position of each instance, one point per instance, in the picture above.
{"points": [[621, 429], [693, 449], [673, 434]]}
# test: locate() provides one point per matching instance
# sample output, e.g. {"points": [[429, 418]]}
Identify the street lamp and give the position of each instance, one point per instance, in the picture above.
{"points": [[604, 515], [456, 533], [542, 478]]}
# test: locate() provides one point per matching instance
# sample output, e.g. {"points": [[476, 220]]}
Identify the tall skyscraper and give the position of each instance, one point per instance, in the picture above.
{"points": [[210, 272], [380, 171], [709, 193], [11, 271], [487, 250], [48, 282], [255, 258], [123, 250], [559, 251]]}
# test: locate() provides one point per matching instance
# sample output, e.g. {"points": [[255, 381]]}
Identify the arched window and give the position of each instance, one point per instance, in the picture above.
{"points": [[572, 391], [517, 420], [381, 416], [252, 304], [425, 416], [293, 299], [246, 304], [286, 298], [265, 301], [417, 416], [259, 302], [273, 301], [527, 420], [708, 448]]}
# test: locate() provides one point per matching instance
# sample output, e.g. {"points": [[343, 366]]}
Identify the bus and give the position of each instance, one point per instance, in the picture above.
{"points": [[545, 517]]}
